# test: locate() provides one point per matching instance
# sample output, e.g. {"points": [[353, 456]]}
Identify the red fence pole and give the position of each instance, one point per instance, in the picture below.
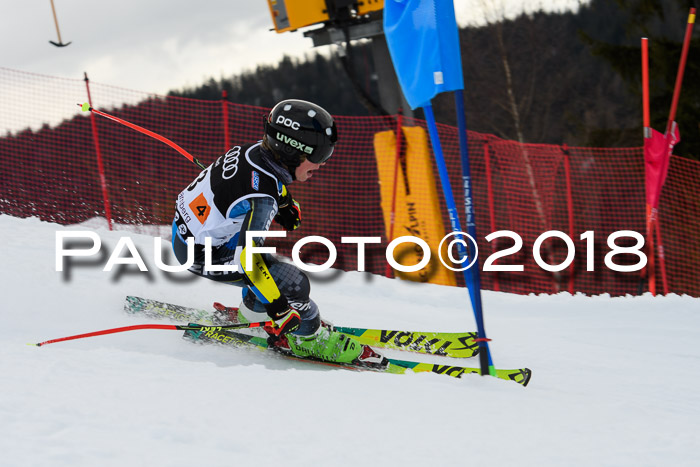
{"points": [[492, 216], [662, 258], [224, 111], [569, 208], [100, 166]]}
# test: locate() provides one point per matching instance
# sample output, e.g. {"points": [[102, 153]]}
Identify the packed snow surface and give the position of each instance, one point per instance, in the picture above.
{"points": [[615, 380]]}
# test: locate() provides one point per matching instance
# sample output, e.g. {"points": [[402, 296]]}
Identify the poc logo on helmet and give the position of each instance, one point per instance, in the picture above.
{"points": [[288, 122]]}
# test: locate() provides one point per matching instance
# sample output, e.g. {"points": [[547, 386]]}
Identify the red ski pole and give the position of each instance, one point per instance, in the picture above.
{"points": [[87, 108], [173, 327]]}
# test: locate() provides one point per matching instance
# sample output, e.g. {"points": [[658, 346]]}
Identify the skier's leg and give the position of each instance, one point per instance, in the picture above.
{"points": [[295, 286], [311, 339]]}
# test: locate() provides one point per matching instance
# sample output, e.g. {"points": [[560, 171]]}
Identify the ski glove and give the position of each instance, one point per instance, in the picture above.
{"points": [[289, 213], [285, 318]]}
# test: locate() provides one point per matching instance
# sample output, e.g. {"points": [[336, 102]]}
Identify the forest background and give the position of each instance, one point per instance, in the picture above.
{"points": [[553, 78]]}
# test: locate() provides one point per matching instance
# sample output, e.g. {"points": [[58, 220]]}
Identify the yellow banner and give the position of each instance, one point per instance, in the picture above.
{"points": [[417, 203]]}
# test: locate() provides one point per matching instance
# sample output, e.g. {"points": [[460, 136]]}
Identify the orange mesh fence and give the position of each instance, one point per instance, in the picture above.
{"points": [[49, 170]]}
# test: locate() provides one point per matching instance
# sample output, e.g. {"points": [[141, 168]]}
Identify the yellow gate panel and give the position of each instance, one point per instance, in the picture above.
{"points": [[417, 203]]}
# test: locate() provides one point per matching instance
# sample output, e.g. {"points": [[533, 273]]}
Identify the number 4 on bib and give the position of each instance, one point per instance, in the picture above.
{"points": [[200, 208]]}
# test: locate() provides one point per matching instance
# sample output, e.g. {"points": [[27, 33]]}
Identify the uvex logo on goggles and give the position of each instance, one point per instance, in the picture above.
{"points": [[294, 143]]}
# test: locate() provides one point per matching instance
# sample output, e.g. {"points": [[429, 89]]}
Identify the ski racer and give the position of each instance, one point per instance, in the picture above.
{"points": [[246, 190]]}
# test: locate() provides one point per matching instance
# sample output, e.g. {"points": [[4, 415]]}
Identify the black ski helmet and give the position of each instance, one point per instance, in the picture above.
{"points": [[297, 130]]}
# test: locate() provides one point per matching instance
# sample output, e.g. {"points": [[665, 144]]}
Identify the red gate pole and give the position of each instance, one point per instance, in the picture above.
{"points": [[100, 166], [681, 69], [669, 129], [651, 211]]}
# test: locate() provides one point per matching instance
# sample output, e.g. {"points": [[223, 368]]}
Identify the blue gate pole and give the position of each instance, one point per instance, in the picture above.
{"points": [[471, 224], [471, 276]]}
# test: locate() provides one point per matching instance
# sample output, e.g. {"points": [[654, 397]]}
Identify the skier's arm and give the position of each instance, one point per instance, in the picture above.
{"points": [[257, 275], [289, 213]]}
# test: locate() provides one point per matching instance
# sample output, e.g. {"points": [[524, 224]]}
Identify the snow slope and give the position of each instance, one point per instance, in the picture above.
{"points": [[614, 379]]}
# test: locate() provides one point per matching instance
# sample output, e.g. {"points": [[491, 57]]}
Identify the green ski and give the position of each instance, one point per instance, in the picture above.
{"points": [[395, 366], [448, 344]]}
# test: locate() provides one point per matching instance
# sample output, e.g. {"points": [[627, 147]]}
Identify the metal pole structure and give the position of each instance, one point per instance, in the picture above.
{"points": [[58, 31]]}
